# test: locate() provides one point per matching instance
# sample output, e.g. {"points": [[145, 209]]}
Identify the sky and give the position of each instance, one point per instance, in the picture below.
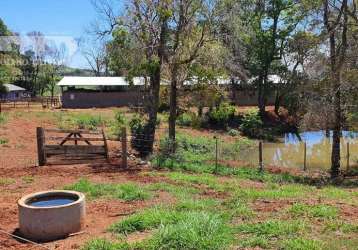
{"points": [[54, 18]]}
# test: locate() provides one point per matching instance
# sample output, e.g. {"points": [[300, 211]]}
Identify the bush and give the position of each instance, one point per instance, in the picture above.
{"points": [[118, 123], [221, 116], [87, 121], [251, 124], [233, 132], [185, 119], [141, 138]]}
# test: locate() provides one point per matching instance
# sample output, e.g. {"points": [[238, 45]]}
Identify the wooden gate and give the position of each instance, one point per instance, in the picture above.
{"points": [[56, 146]]}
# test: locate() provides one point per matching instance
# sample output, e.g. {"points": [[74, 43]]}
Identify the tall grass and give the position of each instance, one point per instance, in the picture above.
{"points": [[126, 191]]}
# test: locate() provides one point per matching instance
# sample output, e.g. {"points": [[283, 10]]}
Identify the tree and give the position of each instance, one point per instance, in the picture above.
{"points": [[256, 32], [336, 23], [147, 22], [95, 52], [190, 29]]}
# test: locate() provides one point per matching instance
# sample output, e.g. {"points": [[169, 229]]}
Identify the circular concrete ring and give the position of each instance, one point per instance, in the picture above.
{"points": [[50, 223]]}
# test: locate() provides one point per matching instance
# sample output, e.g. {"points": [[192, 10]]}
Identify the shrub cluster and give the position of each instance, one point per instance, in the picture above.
{"points": [[251, 124], [221, 116]]}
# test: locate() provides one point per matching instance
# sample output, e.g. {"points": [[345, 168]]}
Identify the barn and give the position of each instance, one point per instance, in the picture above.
{"points": [[14, 93], [101, 92]]}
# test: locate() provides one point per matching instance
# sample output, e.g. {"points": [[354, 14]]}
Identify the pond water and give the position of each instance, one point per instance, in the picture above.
{"points": [[289, 152], [51, 201]]}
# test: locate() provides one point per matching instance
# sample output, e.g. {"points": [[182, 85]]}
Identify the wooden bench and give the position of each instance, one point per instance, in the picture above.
{"points": [[58, 146]]}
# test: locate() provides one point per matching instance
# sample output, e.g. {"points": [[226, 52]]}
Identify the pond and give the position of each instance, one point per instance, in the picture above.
{"points": [[289, 151]]}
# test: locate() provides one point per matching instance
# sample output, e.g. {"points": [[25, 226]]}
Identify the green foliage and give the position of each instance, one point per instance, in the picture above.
{"points": [[147, 219], [302, 244], [102, 244], [272, 228], [233, 132], [3, 118], [340, 226], [126, 191], [141, 138], [221, 116], [196, 230], [88, 121], [251, 124], [3, 141], [254, 241], [6, 181], [320, 211], [186, 119], [118, 123]]}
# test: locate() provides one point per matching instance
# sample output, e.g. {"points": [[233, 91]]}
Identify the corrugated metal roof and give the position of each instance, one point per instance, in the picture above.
{"points": [[12, 87], [99, 81]]}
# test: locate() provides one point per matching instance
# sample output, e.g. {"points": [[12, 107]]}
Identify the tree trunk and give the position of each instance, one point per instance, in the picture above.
{"points": [[261, 97], [277, 102], [173, 103], [154, 91], [336, 140]]}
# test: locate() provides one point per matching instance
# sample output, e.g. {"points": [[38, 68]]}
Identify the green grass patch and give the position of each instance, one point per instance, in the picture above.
{"points": [[3, 118], [316, 211], [273, 191], [102, 244], [272, 228], [301, 244], [126, 191], [341, 226], [238, 208], [197, 205], [3, 141], [254, 241], [204, 179], [28, 179], [177, 191], [195, 230], [6, 181], [146, 219]]}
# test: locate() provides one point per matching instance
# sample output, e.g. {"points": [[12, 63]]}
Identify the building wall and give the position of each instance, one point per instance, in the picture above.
{"points": [[248, 98], [14, 95], [78, 99]]}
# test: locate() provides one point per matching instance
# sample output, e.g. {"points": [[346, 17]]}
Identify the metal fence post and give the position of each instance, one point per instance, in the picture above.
{"points": [[261, 164], [305, 156], [124, 148]]}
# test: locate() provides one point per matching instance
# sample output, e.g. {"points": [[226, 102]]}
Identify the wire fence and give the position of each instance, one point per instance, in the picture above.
{"points": [[221, 151]]}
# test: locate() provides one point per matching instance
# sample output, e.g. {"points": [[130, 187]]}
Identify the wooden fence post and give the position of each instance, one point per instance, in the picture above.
{"points": [[124, 148], [305, 156], [348, 155], [261, 164], [216, 154], [40, 134]]}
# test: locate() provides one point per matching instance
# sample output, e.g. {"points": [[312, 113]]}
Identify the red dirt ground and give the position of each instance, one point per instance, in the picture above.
{"points": [[18, 165]]}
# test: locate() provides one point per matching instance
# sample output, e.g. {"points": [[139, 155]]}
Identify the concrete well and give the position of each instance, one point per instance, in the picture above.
{"points": [[50, 222]]}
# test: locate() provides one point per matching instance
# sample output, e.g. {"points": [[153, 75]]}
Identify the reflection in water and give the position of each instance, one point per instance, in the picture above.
{"points": [[290, 151]]}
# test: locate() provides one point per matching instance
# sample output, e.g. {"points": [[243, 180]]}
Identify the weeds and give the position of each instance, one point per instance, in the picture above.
{"points": [[272, 228], [6, 181], [147, 219], [3, 141], [301, 244], [316, 211], [127, 191], [3, 118], [195, 230]]}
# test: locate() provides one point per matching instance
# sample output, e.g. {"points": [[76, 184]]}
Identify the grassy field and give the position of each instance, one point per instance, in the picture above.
{"points": [[183, 202]]}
